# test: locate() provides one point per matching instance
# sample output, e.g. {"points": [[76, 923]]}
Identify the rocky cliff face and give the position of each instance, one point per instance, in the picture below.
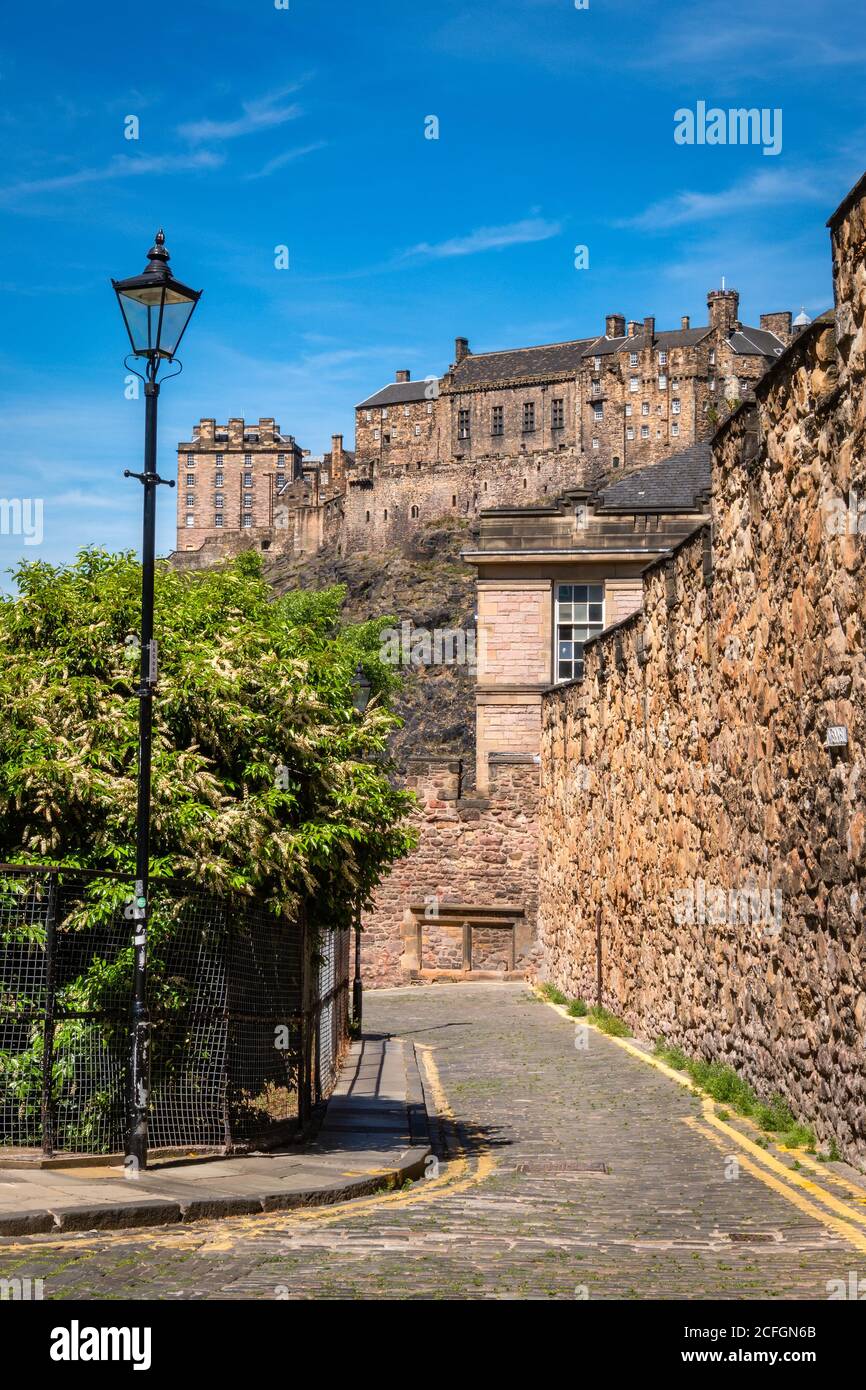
{"points": [[422, 582]]}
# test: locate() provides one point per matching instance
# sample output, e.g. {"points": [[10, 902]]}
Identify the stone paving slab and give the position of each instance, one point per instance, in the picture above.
{"points": [[366, 1139]]}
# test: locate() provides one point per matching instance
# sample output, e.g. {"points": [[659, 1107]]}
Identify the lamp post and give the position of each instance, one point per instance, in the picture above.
{"points": [[156, 309], [360, 699]]}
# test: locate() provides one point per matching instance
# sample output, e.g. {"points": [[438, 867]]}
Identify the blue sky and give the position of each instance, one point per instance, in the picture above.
{"points": [[304, 127]]}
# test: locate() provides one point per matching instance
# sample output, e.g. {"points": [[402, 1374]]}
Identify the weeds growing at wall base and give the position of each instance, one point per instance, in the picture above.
{"points": [[604, 1020], [724, 1085]]}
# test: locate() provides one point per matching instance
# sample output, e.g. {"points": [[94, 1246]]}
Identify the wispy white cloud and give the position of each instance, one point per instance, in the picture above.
{"points": [[120, 167], [726, 31], [767, 188], [287, 157], [262, 114], [488, 239]]}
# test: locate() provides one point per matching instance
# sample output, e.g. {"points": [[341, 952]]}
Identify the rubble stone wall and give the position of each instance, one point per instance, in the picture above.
{"points": [[690, 807]]}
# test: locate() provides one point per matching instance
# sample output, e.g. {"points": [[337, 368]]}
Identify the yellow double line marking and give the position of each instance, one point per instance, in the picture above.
{"points": [[845, 1218], [459, 1174]]}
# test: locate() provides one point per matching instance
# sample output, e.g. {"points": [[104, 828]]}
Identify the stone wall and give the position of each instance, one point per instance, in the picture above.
{"points": [[383, 508], [478, 851], [690, 810]]}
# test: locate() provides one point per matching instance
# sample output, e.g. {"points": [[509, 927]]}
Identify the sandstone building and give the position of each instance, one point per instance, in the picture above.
{"points": [[526, 423]]}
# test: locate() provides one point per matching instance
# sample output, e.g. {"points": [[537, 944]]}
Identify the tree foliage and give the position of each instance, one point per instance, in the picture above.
{"points": [[266, 781]]}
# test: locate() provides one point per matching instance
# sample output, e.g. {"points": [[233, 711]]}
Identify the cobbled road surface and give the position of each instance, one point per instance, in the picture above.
{"points": [[573, 1173]]}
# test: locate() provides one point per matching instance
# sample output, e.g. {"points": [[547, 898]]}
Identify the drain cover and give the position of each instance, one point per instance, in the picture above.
{"points": [[753, 1237], [555, 1167]]}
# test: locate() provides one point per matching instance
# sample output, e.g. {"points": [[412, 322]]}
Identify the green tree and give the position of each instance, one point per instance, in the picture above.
{"points": [[266, 781]]}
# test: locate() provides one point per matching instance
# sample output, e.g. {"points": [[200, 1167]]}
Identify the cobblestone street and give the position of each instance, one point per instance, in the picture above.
{"points": [[567, 1173]]}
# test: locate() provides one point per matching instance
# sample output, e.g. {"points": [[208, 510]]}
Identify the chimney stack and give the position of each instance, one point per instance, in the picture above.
{"points": [[684, 322], [780, 324], [338, 464], [403, 375], [614, 326], [461, 349], [649, 328], [633, 327]]}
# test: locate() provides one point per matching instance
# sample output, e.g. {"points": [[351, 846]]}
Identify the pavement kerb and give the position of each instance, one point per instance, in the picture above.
{"points": [[157, 1211]]}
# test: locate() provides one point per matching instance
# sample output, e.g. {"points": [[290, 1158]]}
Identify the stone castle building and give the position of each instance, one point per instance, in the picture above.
{"points": [[525, 423]]}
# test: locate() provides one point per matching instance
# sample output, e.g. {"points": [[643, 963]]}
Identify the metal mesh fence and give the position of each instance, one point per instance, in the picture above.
{"points": [[248, 1023]]}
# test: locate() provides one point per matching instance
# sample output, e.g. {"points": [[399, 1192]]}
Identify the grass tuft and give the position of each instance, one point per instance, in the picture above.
{"points": [[552, 994], [606, 1022], [727, 1088]]}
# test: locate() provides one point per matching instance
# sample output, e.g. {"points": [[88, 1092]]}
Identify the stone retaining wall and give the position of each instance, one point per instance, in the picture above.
{"points": [[689, 806]]}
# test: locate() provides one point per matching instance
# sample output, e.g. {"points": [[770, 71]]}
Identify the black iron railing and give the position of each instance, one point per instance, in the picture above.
{"points": [[249, 1015]]}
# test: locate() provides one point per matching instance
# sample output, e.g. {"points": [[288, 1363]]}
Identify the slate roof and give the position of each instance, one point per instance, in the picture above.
{"points": [[487, 368], [668, 338], [547, 360], [756, 342], [550, 359], [396, 393], [674, 483]]}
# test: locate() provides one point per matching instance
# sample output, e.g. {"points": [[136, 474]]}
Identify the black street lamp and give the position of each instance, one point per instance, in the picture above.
{"points": [[156, 309], [361, 690]]}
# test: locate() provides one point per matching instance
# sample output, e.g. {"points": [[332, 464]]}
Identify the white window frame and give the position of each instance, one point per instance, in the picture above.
{"points": [[563, 618]]}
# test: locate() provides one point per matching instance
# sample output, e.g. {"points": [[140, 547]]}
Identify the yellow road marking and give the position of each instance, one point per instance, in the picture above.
{"points": [[843, 1228], [858, 1193], [792, 1179], [459, 1174]]}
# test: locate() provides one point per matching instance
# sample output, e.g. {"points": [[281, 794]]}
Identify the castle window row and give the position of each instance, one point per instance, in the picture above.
{"points": [[497, 419]]}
